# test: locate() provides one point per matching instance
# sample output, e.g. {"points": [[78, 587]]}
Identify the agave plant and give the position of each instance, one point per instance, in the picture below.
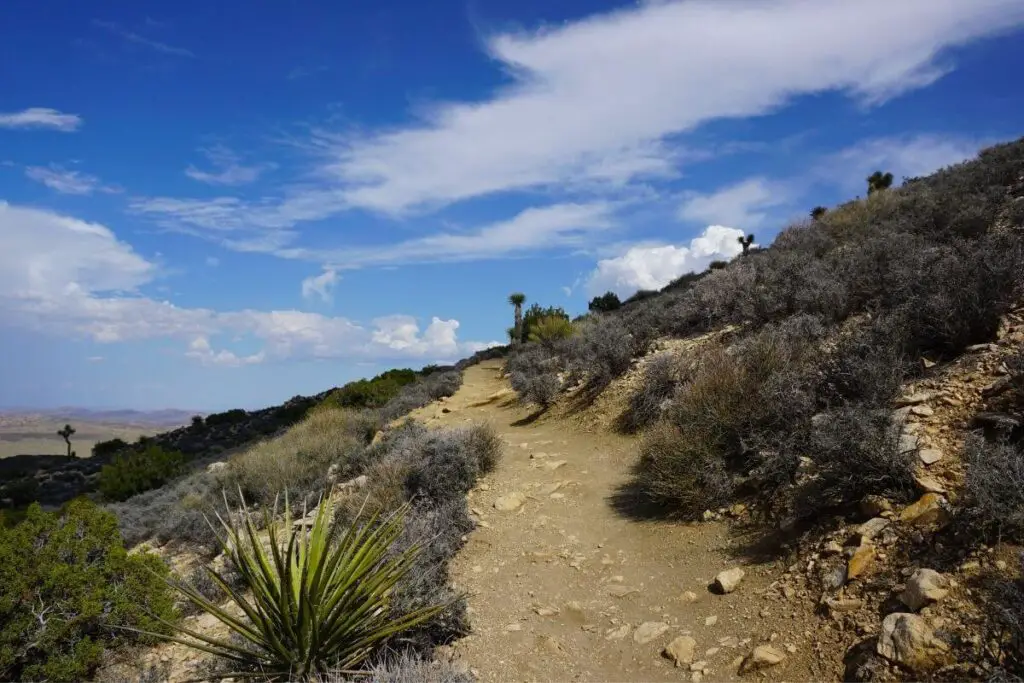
{"points": [[316, 604]]}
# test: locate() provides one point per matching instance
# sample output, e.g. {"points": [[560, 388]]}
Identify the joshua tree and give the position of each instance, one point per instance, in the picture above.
{"points": [[818, 211], [517, 299], [879, 181], [745, 242], [66, 434]]}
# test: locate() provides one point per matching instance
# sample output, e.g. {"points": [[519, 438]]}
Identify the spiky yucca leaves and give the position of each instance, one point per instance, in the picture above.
{"points": [[316, 605]]}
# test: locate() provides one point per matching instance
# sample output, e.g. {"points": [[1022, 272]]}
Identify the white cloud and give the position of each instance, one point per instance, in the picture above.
{"points": [[321, 285], [41, 117], [558, 225], [95, 359], [212, 261], [66, 181], [607, 92], [67, 277], [653, 267], [132, 37], [230, 170], [201, 350], [904, 156], [745, 204]]}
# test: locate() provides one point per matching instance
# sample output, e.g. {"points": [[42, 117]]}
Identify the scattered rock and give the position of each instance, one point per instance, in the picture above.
{"points": [[554, 465], [874, 506], [353, 484], [550, 645], [844, 605], [617, 633], [998, 387], [648, 631], [727, 581], [711, 621], [930, 456], [688, 596], [928, 484], [546, 610], [908, 640], [680, 650], [510, 503], [620, 591], [915, 398], [762, 657], [922, 411], [929, 509], [861, 563], [908, 442], [871, 528], [924, 586]]}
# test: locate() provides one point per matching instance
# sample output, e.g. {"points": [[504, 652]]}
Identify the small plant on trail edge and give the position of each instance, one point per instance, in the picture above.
{"points": [[317, 605]]}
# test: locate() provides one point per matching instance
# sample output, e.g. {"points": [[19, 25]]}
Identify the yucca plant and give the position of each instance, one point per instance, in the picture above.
{"points": [[316, 604]]}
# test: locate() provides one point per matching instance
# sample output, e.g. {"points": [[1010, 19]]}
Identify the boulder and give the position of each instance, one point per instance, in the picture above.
{"points": [[907, 640], [681, 650], [727, 581], [510, 503], [762, 657], [861, 563], [648, 631], [929, 509], [924, 587]]}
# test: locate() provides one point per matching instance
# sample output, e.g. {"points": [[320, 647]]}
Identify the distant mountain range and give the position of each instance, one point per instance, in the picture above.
{"points": [[168, 417]]}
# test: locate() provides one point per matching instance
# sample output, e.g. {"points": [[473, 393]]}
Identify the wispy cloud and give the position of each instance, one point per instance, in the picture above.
{"points": [[744, 205], [132, 37], [41, 117], [321, 285], [230, 169], [613, 91], [66, 181]]}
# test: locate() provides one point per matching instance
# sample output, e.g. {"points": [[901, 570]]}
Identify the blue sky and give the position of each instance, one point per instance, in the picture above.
{"points": [[222, 204]]}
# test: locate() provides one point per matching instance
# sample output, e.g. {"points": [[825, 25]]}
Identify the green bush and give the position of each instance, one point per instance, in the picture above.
{"points": [[107, 448], [68, 589], [372, 393], [227, 417], [130, 474], [607, 302]]}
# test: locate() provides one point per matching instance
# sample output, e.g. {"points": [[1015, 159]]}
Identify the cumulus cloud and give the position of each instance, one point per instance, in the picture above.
{"points": [[229, 168], [321, 285], [745, 204], [653, 267], [64, 276], [67, 181], [41, 117]]}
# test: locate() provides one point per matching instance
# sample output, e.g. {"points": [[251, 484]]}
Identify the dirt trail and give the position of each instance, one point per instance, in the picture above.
{"points": [[558, 587]]}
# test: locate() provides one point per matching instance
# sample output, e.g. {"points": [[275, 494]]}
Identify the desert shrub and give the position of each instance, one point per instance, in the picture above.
{"points": [[173, 513], [865, 366], [533, 373], [67, 590], [418, 394], [601, 351], [1015, 366], [730, 408], [235, 416], [450, 461], [533, 316], [606, 303], [407, 668], [854, 451], [550, 330], [682, 470], [134, 473], [1003, 600], [994, 486], [298, 459], [324, 600], [104, 449], [662, 375]]}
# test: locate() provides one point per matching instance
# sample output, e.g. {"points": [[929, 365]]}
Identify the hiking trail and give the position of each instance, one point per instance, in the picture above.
{"points": [[564, 586]]}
